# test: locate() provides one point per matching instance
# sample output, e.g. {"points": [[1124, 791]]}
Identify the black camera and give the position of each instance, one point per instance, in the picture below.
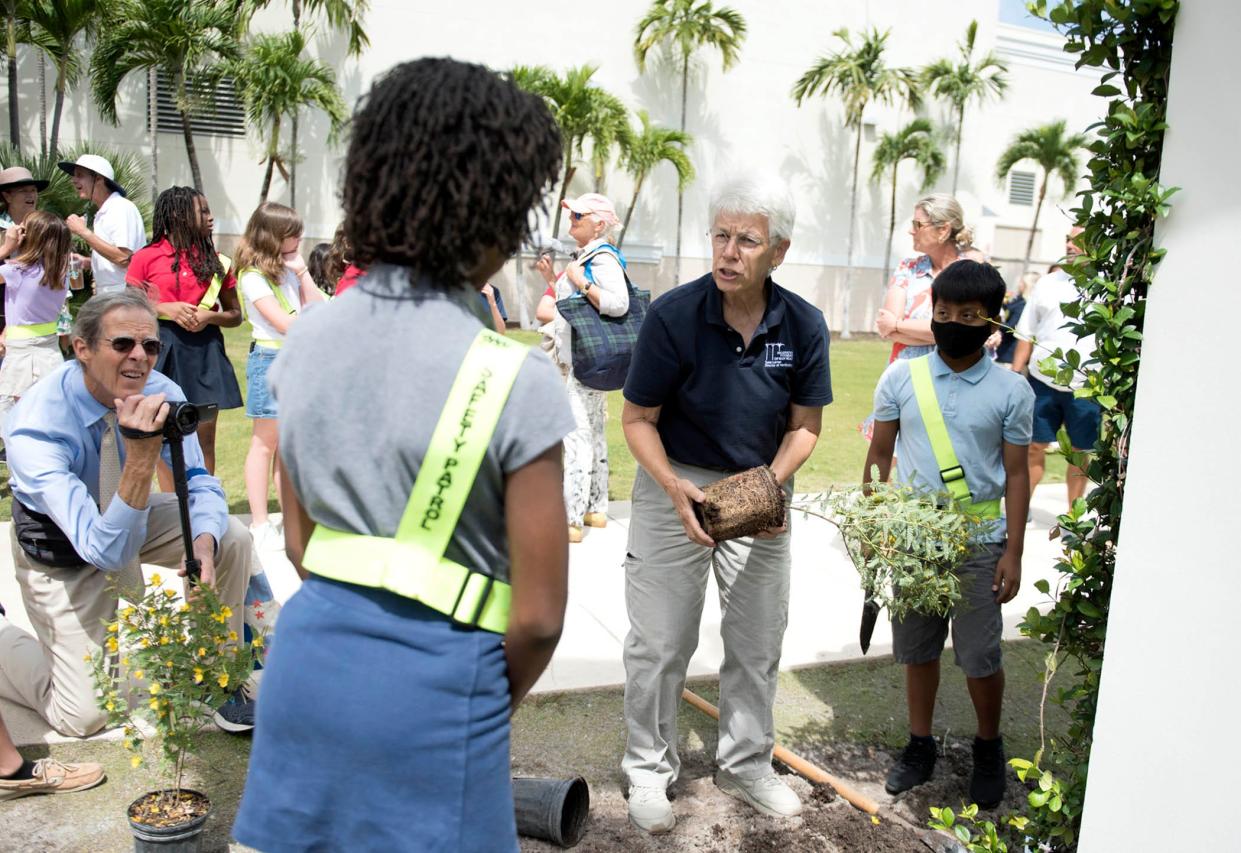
{"points": [[183, 418]]}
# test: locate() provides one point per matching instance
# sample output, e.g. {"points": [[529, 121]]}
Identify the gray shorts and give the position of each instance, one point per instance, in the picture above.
{"points": [[976, 622]]}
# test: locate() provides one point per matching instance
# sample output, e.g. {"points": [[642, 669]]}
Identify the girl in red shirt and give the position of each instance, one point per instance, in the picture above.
{"points": [[195, 293]]}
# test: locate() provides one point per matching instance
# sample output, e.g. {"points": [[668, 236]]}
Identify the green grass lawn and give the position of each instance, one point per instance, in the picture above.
{"points": [[841, 452]]}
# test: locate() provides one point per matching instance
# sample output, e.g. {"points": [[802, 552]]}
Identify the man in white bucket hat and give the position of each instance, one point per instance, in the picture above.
{"points": [[119, 231]]}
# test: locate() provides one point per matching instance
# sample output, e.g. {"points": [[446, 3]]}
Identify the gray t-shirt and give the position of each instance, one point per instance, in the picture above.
{"points": [[361, 381]]}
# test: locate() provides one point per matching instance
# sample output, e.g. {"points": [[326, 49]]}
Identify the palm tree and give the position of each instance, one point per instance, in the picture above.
{"points": [[57, 27], [1053, 151], [16, 31], [683, 26], [964, 82], [859, 75], [612, 131], [181, 38], [275, 81], [582, 111], [915, 141], [649, 148]]}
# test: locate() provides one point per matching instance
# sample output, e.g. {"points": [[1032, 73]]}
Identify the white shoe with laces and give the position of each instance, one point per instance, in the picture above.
{"points": [[650, 810], [768, 794]]}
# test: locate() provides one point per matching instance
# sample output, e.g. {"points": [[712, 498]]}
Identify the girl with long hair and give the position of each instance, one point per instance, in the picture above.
{"points": [[34, 293], [275, 286], [195, 295]]}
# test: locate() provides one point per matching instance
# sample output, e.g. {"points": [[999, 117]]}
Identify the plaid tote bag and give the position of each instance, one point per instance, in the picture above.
{"points": [[602, 346]]}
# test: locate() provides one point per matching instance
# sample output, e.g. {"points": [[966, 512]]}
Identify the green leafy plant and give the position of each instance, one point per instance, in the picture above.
{"points": [[915, 141], [905, 544], [978, 836], [166, 663]]}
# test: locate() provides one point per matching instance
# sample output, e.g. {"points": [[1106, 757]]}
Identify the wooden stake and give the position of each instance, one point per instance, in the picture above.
{"points": [[795, 762]]}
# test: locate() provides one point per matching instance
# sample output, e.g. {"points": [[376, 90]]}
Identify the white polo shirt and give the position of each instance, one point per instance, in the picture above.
{"points": [[1044, 321], [117, 222]]}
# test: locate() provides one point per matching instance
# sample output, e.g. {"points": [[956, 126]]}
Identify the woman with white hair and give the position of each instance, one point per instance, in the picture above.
{"points": [[730, 372], [598, 274]]}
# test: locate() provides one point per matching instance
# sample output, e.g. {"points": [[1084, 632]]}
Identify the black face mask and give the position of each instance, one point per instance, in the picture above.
{"points": [[957, 340]]}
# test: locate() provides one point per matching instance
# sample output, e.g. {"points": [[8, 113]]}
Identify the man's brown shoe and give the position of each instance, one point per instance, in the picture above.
{"points": [[595, 519], [52, 777]]}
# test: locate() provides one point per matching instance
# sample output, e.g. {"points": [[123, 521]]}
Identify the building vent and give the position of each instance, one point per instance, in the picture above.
{"points": [[221, 114], [1021, 188]]}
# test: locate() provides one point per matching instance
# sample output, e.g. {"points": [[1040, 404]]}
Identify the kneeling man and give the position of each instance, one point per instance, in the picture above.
{"points": [[84, 515]]}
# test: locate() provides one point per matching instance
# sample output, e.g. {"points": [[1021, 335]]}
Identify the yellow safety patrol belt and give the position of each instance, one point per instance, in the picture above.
{"points": [[281, 300], [941, 443], [37, 330], [412, 563], [217, 284]]}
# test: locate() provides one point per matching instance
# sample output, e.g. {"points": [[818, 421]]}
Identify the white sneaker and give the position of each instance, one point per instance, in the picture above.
{"points": [[650, 810], [266, 537], [768, 795]]}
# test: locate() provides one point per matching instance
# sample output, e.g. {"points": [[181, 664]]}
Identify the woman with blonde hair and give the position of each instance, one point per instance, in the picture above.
{"points": [[34, 293], [940, 237], [275, 286]]}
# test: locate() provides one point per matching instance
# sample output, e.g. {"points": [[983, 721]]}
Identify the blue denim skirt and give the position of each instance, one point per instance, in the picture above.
{"points": [[382, 725], [259, 400]]}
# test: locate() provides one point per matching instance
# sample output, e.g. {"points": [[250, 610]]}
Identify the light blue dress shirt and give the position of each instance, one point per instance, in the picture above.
{"points": [[52, 437], [983, 407]]}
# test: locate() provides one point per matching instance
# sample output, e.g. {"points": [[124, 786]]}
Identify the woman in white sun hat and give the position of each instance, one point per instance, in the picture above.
{"points": [[597, 272], [118, 229]]}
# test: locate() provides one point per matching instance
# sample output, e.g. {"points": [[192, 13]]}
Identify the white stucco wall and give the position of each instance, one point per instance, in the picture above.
{"points": [[744, 116], [1163, 769]]}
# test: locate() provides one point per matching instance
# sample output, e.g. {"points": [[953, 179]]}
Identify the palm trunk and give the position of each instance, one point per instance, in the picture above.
{"points": [[14, 119], [956, 159], [58, 107], [273, 149], [845, 332], [637, 187], [887, 252], [42, 104], [190, 152], [676, 269], [153, 108], [297, 25], [1042, 191], [564, 188]]}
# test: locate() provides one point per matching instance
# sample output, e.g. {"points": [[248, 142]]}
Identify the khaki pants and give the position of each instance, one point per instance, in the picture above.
{"points": [[70, 607], [665, 586]]}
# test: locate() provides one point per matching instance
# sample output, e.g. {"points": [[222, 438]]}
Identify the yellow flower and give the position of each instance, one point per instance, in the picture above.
{"points": [[154, 703], [202, 652], [223, 679], [185, 607], [135, 760], [144, 642], [198, 675], [155, 689], [170, 593], [129, 745], [874, 820], [111, 706], [138, 673], [111, 644], [226, 612], [219, 617], [125, 661], [257, 642], [156, 580], [86, 658], [164, 640], [232, 636], [113, 628], [128, 613], [163, 621], [168, 664]]}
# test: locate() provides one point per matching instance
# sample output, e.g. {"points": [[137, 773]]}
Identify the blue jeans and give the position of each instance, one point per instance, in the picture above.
{"points": [[259, 400]]}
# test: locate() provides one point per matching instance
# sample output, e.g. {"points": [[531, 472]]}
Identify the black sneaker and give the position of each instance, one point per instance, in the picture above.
{"points": [[236, 716], [914, 767], [987, 782]]}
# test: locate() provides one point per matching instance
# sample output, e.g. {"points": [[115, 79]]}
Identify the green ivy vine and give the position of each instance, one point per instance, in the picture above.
{"points": [[1131, 41]]}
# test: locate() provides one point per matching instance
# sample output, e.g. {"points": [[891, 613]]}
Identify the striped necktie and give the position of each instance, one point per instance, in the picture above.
{"points": [[129, 578]]}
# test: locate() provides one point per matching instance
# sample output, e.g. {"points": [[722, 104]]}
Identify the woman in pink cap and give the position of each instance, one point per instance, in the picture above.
{"points": [[598, 273]]}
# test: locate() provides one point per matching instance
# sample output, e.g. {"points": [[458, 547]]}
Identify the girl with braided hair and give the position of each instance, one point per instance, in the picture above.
{"points": [[195, 294]]}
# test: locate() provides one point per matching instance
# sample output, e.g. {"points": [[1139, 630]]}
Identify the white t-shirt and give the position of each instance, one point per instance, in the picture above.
{"points": [[1044, 322], [255, 286], [117, 222]]}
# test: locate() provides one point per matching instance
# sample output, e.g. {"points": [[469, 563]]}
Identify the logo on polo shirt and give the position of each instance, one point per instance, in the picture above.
{"points": [[778, 356]]}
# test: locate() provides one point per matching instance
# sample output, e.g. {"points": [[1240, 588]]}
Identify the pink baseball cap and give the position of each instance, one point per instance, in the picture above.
{"points": [[594, 203]]}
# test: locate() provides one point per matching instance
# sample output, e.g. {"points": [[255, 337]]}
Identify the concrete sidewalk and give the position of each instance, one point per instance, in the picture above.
{"points": [[824, 610]]}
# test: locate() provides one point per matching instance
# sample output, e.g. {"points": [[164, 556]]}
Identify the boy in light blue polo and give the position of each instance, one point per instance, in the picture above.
{"points": [[988, 414]]}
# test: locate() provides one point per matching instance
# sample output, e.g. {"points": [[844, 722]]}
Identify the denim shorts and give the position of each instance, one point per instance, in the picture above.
{"points": [[259, 400], [976, 621], [1054, 408]]}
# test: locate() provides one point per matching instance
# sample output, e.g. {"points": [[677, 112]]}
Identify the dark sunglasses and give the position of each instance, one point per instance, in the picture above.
{"points": [[575, 216], [125, 344]]}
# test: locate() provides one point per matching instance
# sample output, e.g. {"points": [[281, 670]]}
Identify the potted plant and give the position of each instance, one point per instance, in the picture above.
{"points": [[168, 662], [906, 545]]}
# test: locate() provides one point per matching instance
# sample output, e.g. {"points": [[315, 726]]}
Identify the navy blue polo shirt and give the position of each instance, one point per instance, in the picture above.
{"points": [[725, 405]]}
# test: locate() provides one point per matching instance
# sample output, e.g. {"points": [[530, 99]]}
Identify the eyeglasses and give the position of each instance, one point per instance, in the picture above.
{"points": [[576, 217], [918, 225], [125, 344], [745, 242]]}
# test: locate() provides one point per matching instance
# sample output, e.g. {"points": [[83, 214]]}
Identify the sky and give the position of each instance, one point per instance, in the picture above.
{"points": [[1014, 12]]}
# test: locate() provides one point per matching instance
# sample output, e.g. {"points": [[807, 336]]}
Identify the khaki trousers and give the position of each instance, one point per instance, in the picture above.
{"points": [[69, 609], [665, 587]]}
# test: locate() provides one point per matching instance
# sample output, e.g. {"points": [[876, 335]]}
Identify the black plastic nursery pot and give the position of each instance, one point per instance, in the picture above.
{"points": [[553, 810], [171, 836]]}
